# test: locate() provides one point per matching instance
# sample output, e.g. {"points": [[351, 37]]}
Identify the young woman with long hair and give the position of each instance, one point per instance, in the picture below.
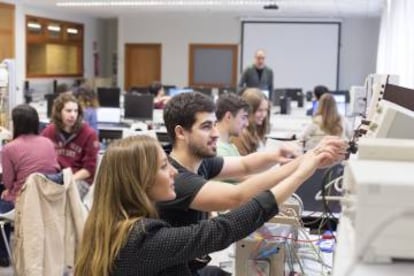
{"points": [[253, 136], [76, 142], [123, 235], [326, 121]]}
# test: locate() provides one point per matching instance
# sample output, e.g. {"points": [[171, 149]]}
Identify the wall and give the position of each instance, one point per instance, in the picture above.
{"points": [[359, 50], [175, 31]]}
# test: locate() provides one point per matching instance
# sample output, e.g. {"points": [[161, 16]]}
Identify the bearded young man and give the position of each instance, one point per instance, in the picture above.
{"points": [[191, 124]]}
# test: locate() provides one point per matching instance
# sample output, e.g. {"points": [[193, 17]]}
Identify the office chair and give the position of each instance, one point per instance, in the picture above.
{"points": [[6, 218]]}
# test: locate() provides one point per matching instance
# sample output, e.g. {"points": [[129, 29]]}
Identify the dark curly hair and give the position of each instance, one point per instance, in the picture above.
{"points": [[181, 111]]}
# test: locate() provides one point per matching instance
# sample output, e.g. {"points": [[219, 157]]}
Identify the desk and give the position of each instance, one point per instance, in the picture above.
{"points": [[109, 133], [226, 260], [284, 127]]}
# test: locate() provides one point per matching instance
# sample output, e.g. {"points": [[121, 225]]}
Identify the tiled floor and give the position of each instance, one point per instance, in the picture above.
{"points": [[6, 271]]}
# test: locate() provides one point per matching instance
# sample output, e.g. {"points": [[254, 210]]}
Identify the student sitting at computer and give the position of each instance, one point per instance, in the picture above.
{"points": [[123, 235], [88, 100], [318, 91], [160, 99], [27, 153], [76, 142], [232, 113], [326, 121], [253, 136]]}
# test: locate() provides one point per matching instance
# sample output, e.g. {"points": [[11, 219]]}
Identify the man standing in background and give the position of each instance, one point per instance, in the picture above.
{"points": [[258, 75]]}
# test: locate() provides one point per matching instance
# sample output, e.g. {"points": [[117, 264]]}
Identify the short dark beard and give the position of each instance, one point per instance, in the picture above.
{"points": [[200, 154]]}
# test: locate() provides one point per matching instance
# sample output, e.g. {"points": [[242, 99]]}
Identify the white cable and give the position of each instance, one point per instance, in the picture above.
{"points": [[318, 195], [336, 184], [375, 233], [301, 205]]}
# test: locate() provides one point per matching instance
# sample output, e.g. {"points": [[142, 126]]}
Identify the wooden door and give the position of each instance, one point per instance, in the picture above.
{"points": [[142, 64], [6, 31]]}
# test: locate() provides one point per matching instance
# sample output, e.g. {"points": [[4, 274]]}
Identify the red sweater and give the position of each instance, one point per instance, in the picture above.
{"points": [[79, 151], [23, 156]]}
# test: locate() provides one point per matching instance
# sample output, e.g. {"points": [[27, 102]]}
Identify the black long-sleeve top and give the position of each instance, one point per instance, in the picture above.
{"points": [[155, 248]]}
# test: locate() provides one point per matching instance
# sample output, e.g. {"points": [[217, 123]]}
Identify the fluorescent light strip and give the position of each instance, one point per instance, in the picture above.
{"points": [[53, 28], [71, 31], [154, 3], [33, 25]]}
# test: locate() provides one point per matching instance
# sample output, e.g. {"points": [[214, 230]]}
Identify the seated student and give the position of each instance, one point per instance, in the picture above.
{"points": [[160, 99], [326, 121], [252, 137], [89, 102], [318, 91], [76, 142], [27, 153], [123, 235], [232, 117], [190, 122]]}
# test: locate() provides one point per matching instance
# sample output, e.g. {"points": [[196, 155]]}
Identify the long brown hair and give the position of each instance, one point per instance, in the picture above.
{"points": [[127, 170], [253, 134], [254, 98], [331, 120], [59, 104]]}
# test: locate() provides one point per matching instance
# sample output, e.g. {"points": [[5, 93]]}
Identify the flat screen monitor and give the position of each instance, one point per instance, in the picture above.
{"points": [[176, 91], [138, 107], [206, 91], [226, 90], [50, 98], [109, 96], [340, 104], [109, 115], [343, 92], [266, 93]]}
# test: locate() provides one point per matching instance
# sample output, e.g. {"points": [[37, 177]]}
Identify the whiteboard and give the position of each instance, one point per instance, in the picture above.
{"points": [[301, 54]]}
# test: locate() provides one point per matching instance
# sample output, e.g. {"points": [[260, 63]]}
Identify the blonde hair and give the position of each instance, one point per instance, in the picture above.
{"points": [[127, 171], [331, 120], [253, 134]]}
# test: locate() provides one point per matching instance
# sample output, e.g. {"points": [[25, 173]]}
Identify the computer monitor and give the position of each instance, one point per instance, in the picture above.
{"points": [[176, 91], [206, 91], [277, 95], [108, 114], [138, 107], [226, 90], [109, 96], [340, 100], [50, 98], [343, 92], [266, 93], [295, 94]]}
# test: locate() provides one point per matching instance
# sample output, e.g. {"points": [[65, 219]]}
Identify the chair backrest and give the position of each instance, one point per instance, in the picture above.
{"points": [[9, 216]]}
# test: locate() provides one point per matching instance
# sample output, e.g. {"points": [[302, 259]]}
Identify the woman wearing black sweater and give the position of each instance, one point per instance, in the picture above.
{"points": [[123, 236]]}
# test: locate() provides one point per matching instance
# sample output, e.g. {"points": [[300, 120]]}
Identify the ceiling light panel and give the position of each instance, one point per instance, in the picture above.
{"points": [[157, 3]]}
